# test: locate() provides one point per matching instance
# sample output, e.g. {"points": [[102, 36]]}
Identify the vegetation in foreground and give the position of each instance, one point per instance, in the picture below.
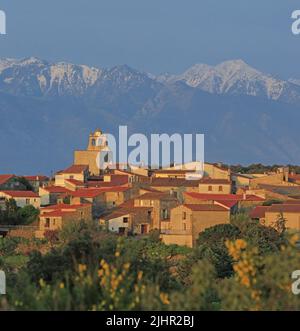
{"points": [[238, 266]]}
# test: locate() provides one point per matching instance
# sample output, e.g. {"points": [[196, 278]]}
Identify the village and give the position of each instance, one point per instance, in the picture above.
{"points": [[136, 201]]}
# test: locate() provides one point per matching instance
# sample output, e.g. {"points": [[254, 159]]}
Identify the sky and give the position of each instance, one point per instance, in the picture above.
{"points": [[154, 35]]}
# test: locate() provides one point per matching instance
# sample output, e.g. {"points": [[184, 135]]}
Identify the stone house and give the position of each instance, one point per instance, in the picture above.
{"points": [[188, 220]]}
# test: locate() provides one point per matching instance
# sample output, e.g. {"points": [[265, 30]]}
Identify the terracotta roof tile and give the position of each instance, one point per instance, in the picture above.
{"points": [[204, 207], [259, 212], [214, 181], [173, 182], [234, 197], [94, 192], [36, 178], [75, 169], [227, 203], [57, 213], [156, 196], [21, 194], [56, 189], [75, 182], [284, 208], [5, 178]]}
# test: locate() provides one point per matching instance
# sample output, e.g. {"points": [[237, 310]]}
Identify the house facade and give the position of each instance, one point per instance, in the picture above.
{"points": [[79, 173], [22, 198], [54, 218], [188, 220], [161, 204]]}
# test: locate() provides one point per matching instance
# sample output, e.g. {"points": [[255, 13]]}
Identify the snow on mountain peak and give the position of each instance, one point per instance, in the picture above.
{"points": [[232, 77], [35, 77]]}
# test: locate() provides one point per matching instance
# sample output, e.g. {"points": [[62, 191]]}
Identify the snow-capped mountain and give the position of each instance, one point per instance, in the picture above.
{"points": [[35, 77], [48, 109], [237, 78]]}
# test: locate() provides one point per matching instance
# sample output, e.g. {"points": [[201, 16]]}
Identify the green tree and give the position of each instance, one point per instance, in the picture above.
{"points": [[211, 246]]}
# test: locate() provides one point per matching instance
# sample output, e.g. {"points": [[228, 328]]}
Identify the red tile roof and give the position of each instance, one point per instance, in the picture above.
{"points": [[21, 194], [116, 180], [214, 181], [57, 213], [227, 203], [56, 189], [114, 214], [234, 197], [94, 192], [156, 196], [62, 206], [203, 207], [127, 204], [259, 212], [130, 173], [173, 182], [87, 193], [75, 182], [284, 208], [74, 169], [5, 178], [36, 178], [173, 171]]}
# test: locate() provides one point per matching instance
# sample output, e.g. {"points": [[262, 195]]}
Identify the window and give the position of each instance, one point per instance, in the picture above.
{"points": [[106, 157], [220, 188], [209, 188], [27, 201], [184, 226], [125, 219], [53, 222], [47, 223], [144, 228], [72, 177], [93, 142], [164, 214], [184, 215], [122, 230]]}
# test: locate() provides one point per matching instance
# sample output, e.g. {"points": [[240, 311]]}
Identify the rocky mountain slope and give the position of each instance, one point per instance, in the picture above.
{"points": [[48, 109]]}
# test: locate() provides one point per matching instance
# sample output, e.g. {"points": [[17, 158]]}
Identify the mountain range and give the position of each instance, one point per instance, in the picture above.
{"points": [[48, 109]]}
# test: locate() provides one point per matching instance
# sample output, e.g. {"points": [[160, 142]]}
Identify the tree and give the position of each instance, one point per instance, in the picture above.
{"points": [[25, 182], [10, 213], [266, 239], [260, 282], [211, 246], [201, 294], [28, 214]]}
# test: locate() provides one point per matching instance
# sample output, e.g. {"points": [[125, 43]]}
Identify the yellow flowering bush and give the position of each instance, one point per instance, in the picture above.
{"points": [[110, 287], [260, 282]]}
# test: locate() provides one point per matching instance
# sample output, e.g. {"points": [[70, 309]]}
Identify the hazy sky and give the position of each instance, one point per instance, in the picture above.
{"points": [[154, 35]]}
